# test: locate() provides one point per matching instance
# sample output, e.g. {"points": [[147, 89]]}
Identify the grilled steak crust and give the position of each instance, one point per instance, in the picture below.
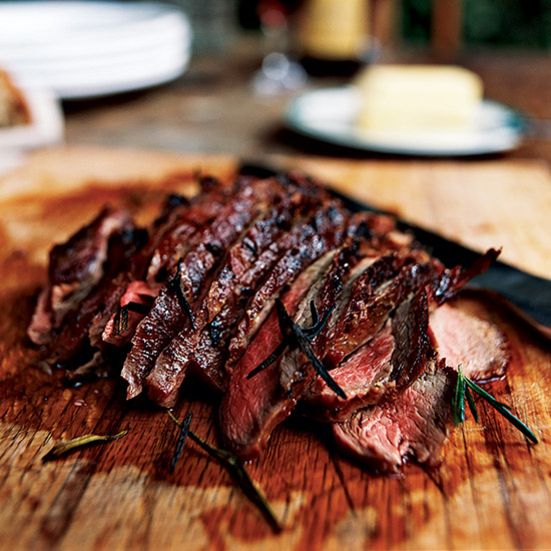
{"points": [[251, 408], [368, 373], [169, 313], [451, 281], [274, 392], [177, 225], [72, 338], [389, 362], [326, 230], [75, 268], [375, 296], [247, 265], [180, 220]]}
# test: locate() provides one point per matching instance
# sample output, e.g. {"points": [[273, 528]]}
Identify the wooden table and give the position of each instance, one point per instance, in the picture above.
{"points": [[492, 491], [212, 109]]}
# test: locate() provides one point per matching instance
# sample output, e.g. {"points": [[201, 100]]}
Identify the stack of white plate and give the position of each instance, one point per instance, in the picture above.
{"points": [[87, 49]]}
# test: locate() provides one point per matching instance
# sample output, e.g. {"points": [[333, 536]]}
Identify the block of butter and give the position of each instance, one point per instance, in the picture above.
{"points": [[418, 98]]}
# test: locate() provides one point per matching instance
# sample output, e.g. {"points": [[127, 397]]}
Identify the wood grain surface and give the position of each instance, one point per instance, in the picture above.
{"points": [[492, 489]]}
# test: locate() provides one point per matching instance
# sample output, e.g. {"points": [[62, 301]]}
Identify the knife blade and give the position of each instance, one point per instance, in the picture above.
{"points": [[529, 293]]}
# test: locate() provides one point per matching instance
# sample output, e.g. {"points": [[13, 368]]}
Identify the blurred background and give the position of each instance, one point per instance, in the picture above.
{"points": [[238, 76]]}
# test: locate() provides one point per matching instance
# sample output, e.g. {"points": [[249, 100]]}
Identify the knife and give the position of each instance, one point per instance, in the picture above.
{"points": [[530, 295]]}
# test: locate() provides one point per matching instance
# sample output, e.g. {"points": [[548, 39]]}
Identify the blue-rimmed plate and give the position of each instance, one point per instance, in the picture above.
{"points": [[329, 115]]}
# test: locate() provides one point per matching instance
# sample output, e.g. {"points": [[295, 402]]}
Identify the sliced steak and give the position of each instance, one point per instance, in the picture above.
{"points": [[275, 399], [329, 298], [327, 230], [247, 264], [180, 221], [75, 268], [451, 281], [465, 341], [171, 310], [70, 345], [171, 239], [390, 361], [362, 377], [411, 426], [408, 423], [374, 297], [251, 408]]}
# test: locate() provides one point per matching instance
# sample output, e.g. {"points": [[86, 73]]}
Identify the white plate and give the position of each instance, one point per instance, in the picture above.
{"points": [[90, 49], [329, 115], [41, 22]]}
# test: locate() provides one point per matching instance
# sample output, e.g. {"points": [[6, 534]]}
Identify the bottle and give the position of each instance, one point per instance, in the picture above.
{"points": [[332, 36]]}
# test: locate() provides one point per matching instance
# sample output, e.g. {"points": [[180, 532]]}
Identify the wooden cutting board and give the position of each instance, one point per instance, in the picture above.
{"points": [[491, 491]]}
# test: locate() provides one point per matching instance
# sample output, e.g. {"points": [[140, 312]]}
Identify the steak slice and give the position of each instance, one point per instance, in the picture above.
{"points": [[180, 221], [374, 297], [390, 361], [251, 408], [411, 426], [411, 423], [362, 377], [247, 265], [451, 281], [284, 381], [327, 230], [365, 376], [477, 346], [171, 309], [75, 268], [172, 238], [329, 298], [70, 345]]}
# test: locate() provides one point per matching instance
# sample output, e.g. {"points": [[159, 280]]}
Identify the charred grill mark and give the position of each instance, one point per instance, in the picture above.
{"points": [[250, 245], [214, 248], [121, 320], [175, 284]]}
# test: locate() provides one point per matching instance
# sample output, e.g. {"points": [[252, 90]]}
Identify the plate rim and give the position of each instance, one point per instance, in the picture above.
{"points": [[518, 124]]}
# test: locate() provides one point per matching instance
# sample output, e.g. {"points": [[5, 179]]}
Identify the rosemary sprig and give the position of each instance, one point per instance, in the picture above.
{"points": [[302, 339], [269, 360], [317, 324], [180, 443], [175, 284], [301, 336], [470, 401], [458, 400], [237, 470], [463, 389], [310, 333], [67, 446]]}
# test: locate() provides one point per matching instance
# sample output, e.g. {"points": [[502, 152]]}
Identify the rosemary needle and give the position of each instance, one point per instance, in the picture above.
{"points": [[463, 389], [67, 446], [184, 430], [237, 470]]}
